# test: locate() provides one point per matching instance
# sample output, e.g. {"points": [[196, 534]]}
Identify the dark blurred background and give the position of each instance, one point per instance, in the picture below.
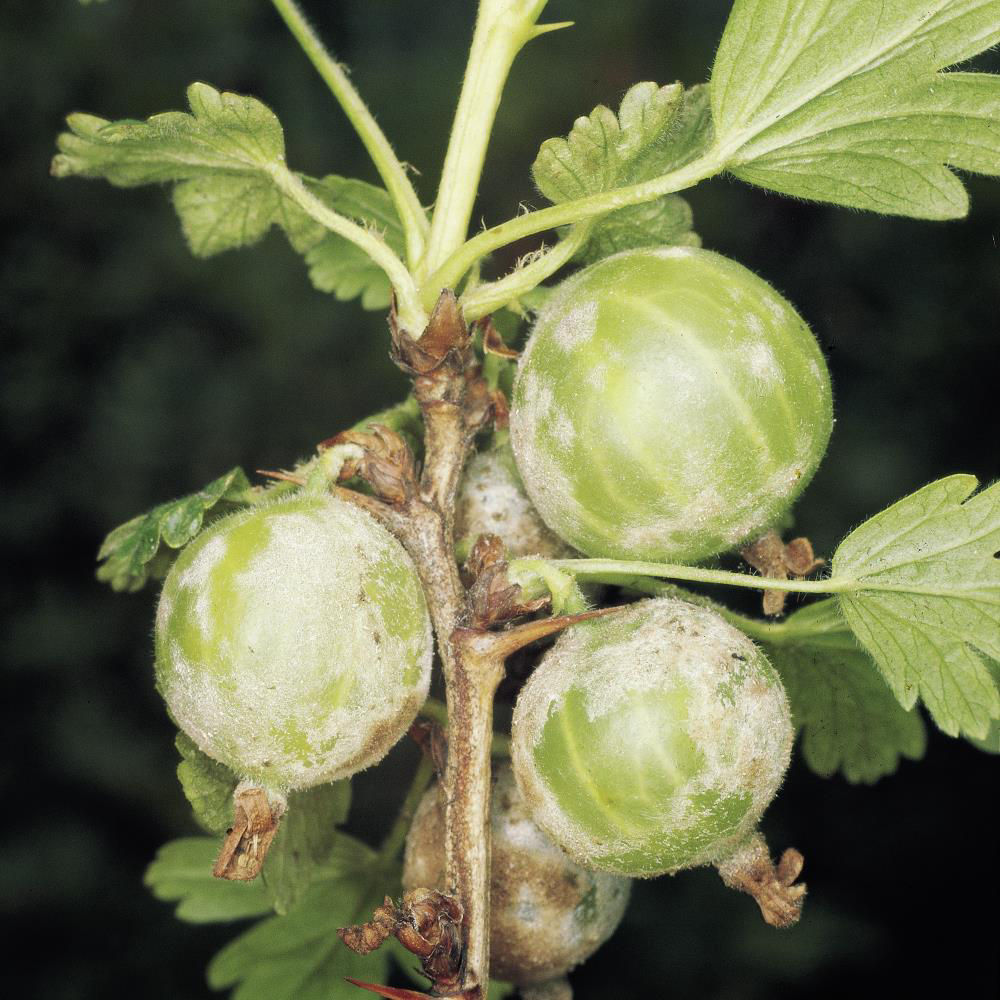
{"points": [[133, 373]]}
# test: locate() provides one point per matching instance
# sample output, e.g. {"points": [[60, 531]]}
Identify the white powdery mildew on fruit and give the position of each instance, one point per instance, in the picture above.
{"points": [[195, 577], [576, 327], [667, 252], [676, 647], [491, 500], [547, 913], [264, 707], [548, 486], [754, 324]]}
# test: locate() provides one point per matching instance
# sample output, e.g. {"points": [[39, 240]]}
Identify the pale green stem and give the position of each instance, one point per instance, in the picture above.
{"points": [[490, 296], [451, 271], [396, 837], [392, 172], [595, 569], [411, 313], [503, 27]]}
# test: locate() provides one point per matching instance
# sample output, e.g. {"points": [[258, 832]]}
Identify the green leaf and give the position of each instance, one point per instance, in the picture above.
{"points": [[922, 595], [656, 130], [664, 222], [127, 552], [208, 786], [218, 156], [306, 836], [849, 720], [298, 956], [990, 743], [843, 102], [220, 160], [182, 873]]}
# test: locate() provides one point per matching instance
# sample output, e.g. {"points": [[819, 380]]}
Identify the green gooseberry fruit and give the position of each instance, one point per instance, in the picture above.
{"points": [[669, 405], [293, 642], [651, 740], [547, 914]]}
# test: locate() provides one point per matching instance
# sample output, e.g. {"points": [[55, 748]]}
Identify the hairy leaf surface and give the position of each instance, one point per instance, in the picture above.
{"points": [[128, 552], [657, 129], [208, 786], [298, 956], [220, 159], [924, 599], [182, 874], [844, 102], [848, 718]]}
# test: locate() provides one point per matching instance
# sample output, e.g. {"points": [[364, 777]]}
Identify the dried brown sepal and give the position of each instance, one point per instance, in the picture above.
{"points": [[386, 462], [441, 345], [772, 557], [432, 738], [427, 923], [247, 841], [778, 895], [493, 343], [282, 475], [492, 597]]}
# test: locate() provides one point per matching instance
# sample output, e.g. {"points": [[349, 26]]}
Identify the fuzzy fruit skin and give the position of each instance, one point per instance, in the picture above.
{"points": [[652, 740], [293, 642], [669, 405], [491, 500], [547, 914]]}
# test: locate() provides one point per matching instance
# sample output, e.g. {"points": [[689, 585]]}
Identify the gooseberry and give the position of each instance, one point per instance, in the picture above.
{"points": [[651, 740], [547, 914], [669, 405], [293, 642], [491, 500]]}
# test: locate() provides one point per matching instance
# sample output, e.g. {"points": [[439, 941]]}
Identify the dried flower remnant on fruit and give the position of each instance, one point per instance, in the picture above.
{"points": [[651, 740], [772, 557], [547, 913], [293, 642]]}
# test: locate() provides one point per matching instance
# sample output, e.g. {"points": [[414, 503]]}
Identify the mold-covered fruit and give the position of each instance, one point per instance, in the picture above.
{"points": [[293, 642], [547, 914], [669, 405], [492, 500], [651, 740]]}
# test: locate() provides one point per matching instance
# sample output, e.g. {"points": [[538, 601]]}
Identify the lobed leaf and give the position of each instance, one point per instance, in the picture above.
{"points": [[298, 956], [848, 718], [844, 102], [656, 130], [220, 159], [305, 840], [208, 786], [182, 874], [128, 552], [922, 595]]}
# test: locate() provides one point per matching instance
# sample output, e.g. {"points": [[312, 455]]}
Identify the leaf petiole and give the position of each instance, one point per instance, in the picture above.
{"points": [[392, 172], [577, 210], [411, 313]]}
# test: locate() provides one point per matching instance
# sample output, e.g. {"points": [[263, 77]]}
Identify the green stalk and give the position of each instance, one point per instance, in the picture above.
{"points": [[450, 271], [396, 837], [490, 296], [611, 570], [408, 305], [503, 28], [392, 172]]}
